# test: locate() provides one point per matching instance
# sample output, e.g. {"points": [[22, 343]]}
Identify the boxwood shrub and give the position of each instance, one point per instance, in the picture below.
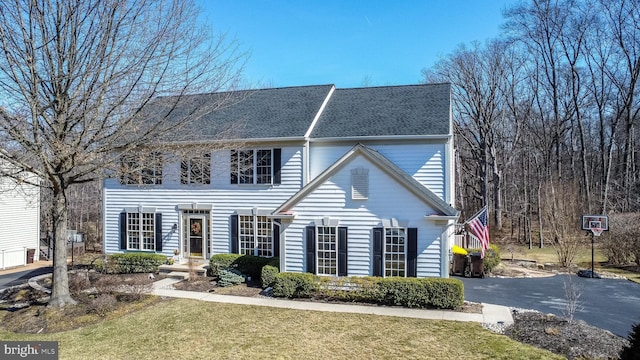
{"points": [[133, 262], [409, 292], [268, 275], [248, 265], [295, 285]]}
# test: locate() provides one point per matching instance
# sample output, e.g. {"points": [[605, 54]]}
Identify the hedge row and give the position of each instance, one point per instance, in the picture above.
{"points": [[254, 266], [409, 292], [129, 263]]}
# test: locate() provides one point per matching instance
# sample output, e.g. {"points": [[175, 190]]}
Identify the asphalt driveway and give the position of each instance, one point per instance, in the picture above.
{"points": [[14, 278], [609, 304]]}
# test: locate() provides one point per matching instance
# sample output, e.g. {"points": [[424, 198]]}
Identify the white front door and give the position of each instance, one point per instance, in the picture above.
{"points": [[195, 240]]}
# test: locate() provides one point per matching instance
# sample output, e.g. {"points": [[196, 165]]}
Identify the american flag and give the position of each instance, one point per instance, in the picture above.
{"points": [[479, 225]]}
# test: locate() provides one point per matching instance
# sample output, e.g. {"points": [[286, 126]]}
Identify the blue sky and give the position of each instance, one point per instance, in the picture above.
{"points": [[313, 42]]}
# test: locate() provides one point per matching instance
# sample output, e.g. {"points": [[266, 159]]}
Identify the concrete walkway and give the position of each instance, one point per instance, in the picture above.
{"points": [[491, 314]]}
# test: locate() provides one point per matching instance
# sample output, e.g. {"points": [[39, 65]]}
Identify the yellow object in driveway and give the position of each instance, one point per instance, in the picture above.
{"points": [[458, 250]]}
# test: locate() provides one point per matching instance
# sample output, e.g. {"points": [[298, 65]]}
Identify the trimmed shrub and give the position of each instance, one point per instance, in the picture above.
{"points": [[445, 293], [220, 261], [252, 265], [409, 292], [129, 263], [268, 275], [230, 277], [248, 265], [294, 285]]}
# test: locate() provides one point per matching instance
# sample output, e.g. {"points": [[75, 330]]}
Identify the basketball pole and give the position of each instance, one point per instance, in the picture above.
{"points": [[593, 237]]}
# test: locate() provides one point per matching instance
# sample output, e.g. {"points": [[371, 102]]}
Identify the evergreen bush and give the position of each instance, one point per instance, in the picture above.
{"points": [[268, 275], [632, 351], [132, 262], [230, 277], [409, 292]]}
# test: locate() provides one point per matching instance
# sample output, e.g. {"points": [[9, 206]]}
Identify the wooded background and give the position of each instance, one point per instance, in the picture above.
{"points": [[546, 117]]}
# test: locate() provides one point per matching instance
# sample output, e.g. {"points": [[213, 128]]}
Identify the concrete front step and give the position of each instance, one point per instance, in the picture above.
{"points": [[182, 270]]}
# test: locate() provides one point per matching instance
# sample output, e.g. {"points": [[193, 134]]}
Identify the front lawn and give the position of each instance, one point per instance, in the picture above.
{"points": [[188, 329]]}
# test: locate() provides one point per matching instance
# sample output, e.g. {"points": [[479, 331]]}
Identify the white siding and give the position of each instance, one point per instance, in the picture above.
{"points": [[387, 199], [223, 196], [425, 162], [20, 225]]}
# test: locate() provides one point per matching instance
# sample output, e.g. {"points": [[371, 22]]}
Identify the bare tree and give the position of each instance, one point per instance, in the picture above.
{"points": [[482, 76], [75, 77]]}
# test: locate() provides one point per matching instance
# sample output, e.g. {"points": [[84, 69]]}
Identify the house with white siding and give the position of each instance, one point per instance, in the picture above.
{"points": [[20, 214], [337, 182]]}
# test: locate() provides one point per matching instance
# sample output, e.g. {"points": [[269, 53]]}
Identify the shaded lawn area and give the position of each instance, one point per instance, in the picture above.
{"points": [[189, 329]]}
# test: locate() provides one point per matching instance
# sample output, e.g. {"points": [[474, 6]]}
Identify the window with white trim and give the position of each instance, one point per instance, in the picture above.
{"points": [[141, 233], [141, 169], [255, 233], [252, 166], [327, 247], [196, 170], [395, 250]]}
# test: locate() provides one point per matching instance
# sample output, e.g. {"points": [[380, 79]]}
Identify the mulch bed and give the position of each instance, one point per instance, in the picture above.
{"points": [[575, 339]]}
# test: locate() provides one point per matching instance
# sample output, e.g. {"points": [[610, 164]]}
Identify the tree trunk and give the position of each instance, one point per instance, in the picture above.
{"points": [[60, 295]]}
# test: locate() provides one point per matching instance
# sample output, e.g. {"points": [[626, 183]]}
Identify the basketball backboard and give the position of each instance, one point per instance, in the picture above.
{"points": [[595, 222]]}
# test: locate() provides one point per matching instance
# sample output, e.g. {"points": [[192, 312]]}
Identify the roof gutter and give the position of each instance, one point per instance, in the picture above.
{"points": [[383, 137]]}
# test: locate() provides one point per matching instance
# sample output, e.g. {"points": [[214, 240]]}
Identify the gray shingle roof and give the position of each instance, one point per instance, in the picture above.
{"points": [[289, 112], [388, 110], [247, 114]]}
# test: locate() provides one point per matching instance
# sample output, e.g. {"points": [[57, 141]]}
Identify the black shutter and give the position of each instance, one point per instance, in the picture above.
{"points": [[234, 166], [378, 243], [235, 249], [276, 238], [412, 252], [123, 231], [311, 249], [158, 232], [342, 251], [277, 164]]}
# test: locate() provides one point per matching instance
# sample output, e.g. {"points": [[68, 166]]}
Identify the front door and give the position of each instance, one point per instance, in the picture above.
{"points": [[195, 239]]}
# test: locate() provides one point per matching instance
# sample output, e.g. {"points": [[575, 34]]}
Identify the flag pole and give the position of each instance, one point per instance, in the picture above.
{"points": [[476, 214]]}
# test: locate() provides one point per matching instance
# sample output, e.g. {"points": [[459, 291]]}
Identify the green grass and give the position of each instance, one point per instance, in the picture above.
{"points": [[548, 254], [188, 329]]}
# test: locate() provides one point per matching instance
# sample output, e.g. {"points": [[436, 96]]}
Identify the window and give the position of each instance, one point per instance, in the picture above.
{"points": [[255, 235], [255, 166], [196, 170], [141, 169], [141, 231], [327, 250], [395, 252]]}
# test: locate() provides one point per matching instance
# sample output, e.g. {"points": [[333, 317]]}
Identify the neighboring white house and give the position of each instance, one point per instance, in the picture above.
{"points": [[20, 225], [332, 181]]}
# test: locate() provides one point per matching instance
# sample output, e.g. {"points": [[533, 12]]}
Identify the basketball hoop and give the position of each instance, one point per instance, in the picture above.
{"points": [[597, 231]]}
